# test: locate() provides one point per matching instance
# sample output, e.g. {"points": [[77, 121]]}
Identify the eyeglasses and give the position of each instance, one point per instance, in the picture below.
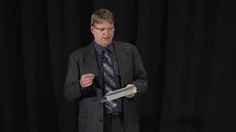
{"points": [[103, 29]]}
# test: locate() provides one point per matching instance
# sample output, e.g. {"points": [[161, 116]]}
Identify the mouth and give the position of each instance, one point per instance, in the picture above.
{"points": [[106, 38]]}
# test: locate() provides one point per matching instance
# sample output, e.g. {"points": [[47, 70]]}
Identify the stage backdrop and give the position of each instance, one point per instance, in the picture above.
{"points": [[187, 46]]}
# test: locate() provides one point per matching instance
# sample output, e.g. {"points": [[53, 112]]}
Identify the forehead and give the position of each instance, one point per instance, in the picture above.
{"points": [[104, 23]]}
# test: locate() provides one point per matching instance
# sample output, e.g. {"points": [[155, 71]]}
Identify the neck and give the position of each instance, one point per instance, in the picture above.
{"points": [[103, 45]]}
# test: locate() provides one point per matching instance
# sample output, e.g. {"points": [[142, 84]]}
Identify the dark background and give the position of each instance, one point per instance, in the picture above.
{"points": [[187, 46]]}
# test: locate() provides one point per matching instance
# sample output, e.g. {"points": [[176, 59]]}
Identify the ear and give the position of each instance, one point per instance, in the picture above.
{"points": [[92, 29]]}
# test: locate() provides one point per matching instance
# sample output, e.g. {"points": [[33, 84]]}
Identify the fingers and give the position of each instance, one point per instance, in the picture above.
{"points": [[131, 95], [130, 85], [86, 80], [88, 75]]}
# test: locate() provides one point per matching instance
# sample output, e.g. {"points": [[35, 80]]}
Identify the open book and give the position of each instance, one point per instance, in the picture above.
{"points": [[119, 93]]}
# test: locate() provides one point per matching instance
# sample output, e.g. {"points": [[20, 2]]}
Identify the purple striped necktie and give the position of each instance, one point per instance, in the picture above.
{"points": [[109, 80]]}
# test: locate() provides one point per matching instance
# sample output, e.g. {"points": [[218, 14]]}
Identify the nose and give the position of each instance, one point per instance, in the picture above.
{"points": [[105, 31]]}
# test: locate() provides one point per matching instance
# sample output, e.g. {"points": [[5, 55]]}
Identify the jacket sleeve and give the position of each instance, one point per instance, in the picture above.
{"points": [[140, 75], [72, 88]]}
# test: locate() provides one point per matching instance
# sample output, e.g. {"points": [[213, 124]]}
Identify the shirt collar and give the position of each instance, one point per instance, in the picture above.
{"points": [[99, 49]]}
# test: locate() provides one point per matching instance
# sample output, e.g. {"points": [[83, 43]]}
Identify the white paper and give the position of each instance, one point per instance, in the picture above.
{"points": [[119, 93]]}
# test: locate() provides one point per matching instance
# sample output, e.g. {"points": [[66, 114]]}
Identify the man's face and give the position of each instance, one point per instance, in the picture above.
{"points": [[103, 33]]}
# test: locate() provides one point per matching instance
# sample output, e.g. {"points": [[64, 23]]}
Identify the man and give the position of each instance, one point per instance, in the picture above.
{"points": [[102, 66]]}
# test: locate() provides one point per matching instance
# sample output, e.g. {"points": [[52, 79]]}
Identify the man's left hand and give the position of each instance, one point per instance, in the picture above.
{"points": [[131, 95]]}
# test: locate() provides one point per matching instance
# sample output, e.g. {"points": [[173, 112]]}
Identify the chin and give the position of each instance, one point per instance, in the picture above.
{"points": [[107, 43]]}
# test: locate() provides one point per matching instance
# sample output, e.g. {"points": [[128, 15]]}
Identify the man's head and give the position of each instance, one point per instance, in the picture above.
{"points": [[102, 26]]}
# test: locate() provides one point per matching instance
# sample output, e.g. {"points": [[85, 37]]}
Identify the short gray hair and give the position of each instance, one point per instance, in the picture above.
{"points": [[101, 15]]}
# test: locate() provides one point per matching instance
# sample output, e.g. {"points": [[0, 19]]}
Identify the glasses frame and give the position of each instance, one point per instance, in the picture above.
{"points": [[109, 29]]}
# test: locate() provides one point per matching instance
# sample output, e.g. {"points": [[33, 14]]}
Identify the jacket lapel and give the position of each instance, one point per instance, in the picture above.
{"points": [[121, 59], [90, 64]]}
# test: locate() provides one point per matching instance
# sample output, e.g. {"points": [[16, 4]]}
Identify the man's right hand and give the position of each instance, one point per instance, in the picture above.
{"points": [[86, 80]]}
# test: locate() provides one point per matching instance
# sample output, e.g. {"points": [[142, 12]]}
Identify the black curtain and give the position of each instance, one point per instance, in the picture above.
{"points": [[187, 46]]}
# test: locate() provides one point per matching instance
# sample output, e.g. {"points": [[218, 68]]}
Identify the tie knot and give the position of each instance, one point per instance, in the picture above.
{"points": [[107, 53], [106, 50]]}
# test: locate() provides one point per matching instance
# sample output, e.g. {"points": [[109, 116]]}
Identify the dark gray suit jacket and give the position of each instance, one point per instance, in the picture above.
{"points": [[90, 109]]}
